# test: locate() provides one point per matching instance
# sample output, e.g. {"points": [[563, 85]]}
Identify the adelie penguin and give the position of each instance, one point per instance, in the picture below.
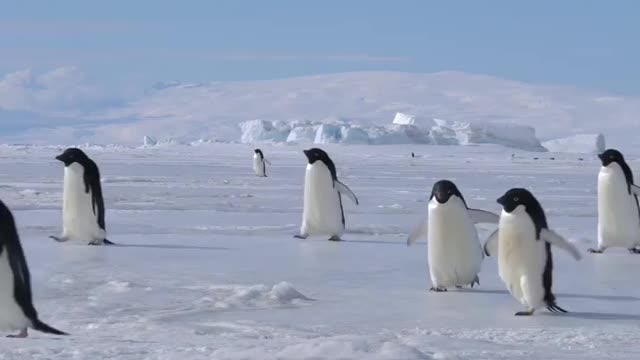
{"points": [[259, 163], [323, 213], [618, 214], [453, 248], [523, 244], [16, 303], [83, 213]]}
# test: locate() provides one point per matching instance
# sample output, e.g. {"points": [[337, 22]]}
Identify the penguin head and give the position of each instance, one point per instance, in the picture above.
{"points": [[519, 200], [315, 154], [259, 152], [73, 155], [611, 156], [443, 190]]}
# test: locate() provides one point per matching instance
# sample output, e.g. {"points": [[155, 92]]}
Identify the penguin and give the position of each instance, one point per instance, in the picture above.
{"points": [[16, 304], [259, 166], [453, 248], [323, 213], [618, 210], [523, 244], [82, 204]]}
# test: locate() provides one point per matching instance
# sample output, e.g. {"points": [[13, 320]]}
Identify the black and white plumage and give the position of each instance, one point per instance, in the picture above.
{"points": [[16, 303], [453, 248], [618, 209], [259, 163], [83, 210], [323, 213], [523, 243]]}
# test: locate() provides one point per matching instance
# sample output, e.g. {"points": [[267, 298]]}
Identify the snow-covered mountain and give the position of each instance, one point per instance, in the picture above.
{"points": [[214, 110]]}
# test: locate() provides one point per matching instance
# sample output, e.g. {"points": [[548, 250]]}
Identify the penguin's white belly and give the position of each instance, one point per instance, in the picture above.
{"points": [[618, 218], [322, 214], [454, 251], [79, 221], [258, 166], [521, 259], [11, 315]]}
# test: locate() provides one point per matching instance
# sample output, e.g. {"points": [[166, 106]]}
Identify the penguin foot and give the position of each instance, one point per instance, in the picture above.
{"points": [[301, 236], [553, 307], [438, 289], [596, 251], [634, 251], [525, 313], [21, 335], [335, 238], [58, 239]]}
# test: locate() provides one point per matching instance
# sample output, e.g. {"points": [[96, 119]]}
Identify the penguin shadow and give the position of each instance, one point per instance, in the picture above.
{"points": [[377, 242], [558, 295], [594, 316], [169, 247]]}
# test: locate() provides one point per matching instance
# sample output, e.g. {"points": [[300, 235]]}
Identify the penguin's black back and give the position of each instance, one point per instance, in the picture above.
{"points": [[92, 184], [10, 242]]}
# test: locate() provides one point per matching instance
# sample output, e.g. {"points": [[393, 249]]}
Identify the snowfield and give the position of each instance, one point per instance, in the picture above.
{"points": [[207, 268]]}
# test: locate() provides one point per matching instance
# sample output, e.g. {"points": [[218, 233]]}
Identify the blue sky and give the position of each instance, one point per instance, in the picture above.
{"points": [[592, 44]]}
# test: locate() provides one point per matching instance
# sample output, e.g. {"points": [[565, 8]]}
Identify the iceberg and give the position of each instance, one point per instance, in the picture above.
{"points": [[581, 143]]}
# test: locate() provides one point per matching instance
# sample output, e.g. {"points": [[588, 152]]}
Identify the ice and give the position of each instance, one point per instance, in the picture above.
{"points": [[302, 134], [328, 134], [150, 141], [581, 143], [206, 266], [256, 131]]}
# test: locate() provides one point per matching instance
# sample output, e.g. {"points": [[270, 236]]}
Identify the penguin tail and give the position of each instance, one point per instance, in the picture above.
{"points": [[40, 326], [108, 242], [553, 307]]}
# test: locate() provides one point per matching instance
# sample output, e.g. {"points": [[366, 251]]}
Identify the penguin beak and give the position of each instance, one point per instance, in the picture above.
{"points": [[442, 197], [60, 158], [601, 157], [307, 154], [500, 200]]}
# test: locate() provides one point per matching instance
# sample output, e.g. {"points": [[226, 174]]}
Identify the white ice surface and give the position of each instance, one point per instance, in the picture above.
{"points": [[581, 143], [207, 267]]}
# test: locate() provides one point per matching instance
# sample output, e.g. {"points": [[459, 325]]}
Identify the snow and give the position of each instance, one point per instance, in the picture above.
{"points": [[62, 106], [207, 267], [581, 143]]}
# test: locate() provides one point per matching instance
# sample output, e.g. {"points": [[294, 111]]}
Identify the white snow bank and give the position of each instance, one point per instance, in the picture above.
{"points": [[581, 143], [263, 131], [237, 296], [442, 133]]}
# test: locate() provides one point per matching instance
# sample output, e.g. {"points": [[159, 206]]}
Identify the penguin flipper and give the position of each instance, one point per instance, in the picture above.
{"points": [[267, 161], [418, 232], [553, 238], [108, 242], [635, 189], [491, 245], [343, 189], [482, 216]]}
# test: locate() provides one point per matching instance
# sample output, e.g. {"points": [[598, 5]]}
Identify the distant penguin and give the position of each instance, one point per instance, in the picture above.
{"points": [[413, 155], [16, 307], [523, 244], [323, 213], [259, 163], [618, 214], [454, 251], [83, 210]]}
